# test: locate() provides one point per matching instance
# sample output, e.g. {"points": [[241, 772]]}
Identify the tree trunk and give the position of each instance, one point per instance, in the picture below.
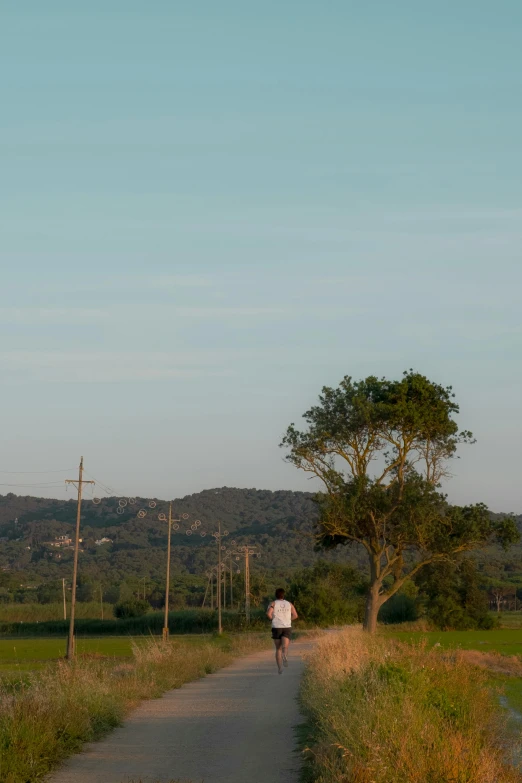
{"points": [[373, 604]]}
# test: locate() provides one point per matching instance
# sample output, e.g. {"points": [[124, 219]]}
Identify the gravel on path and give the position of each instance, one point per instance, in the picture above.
{"points": [[234, 726]]}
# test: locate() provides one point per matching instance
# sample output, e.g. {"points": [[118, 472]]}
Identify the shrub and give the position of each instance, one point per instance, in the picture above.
{"points": [[134, 607]]}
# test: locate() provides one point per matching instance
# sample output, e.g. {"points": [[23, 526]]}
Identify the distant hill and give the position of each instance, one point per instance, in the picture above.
{"points": [[281, 523]]}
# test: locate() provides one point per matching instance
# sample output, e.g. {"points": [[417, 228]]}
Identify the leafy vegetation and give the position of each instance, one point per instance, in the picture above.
{"points": [[134, 607], [384, 712], [131, 564], [328, 594], [381, 449], [181, 622], [451, 596]]}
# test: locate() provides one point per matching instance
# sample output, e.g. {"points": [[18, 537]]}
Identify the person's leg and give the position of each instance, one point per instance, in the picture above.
{"points": [[278, 655], [284, 649]]}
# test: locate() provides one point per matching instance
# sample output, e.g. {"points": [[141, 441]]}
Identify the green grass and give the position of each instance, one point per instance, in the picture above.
{"points": [[510, 619], [504, 640], [31, 654]]}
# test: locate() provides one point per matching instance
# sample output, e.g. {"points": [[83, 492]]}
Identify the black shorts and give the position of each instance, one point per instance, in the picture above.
{"points": [[278, 633]]}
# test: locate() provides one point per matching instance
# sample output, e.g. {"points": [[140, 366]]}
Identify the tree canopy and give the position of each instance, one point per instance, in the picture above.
{"points": [[382, 448]]}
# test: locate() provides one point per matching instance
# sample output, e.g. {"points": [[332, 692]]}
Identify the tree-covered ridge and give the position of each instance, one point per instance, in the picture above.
{"points": [[280, 522]]}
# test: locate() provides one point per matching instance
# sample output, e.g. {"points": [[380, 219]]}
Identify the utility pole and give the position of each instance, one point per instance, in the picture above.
{"points": [[247, 552], [167, 582], [79, 484], [224, 580], [247, 585], [64, 602], [218, 580], [171, 523], [231, 584], [101, 601], [218, 535]]}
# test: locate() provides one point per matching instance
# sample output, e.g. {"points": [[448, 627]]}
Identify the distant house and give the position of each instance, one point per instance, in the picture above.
{"points": [[64, 542], [61, 541], [103, 540]]}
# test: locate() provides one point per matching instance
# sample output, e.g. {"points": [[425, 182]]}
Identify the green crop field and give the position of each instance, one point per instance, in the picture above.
{"points": [[504, 640], [27, 654]]}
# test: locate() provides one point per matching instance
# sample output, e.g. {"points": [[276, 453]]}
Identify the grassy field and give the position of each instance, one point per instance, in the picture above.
{"points": [[380, 711], [503, 640], [25, 654], [38, 613], [48, 713], [32, 654]]}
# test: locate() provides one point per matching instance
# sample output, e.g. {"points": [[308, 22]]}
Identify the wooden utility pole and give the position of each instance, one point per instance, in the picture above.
{"points": [[64, 602], [247, 585], [231, 582], [167, 581], [218, 580], [101, 601], [79, 484], [246, 552]]}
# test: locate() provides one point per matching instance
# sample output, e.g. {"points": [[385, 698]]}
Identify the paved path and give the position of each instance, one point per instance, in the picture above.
{"points": [[235, 726]]}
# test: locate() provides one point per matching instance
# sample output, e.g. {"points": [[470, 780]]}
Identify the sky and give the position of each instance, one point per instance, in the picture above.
{"points": [[210, 210]]}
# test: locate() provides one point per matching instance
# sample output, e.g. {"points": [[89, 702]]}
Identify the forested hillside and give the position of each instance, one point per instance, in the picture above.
{"points": [[280, 523]]}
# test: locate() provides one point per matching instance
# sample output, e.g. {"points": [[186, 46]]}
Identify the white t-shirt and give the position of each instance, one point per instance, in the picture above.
{"points": [[282, 617]]}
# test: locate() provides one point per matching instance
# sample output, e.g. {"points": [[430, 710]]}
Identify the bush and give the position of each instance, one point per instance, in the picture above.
{"points": [[134, 607]]}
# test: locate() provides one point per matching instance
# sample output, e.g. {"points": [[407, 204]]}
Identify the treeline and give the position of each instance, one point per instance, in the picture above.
{"points": [[447, 595]]}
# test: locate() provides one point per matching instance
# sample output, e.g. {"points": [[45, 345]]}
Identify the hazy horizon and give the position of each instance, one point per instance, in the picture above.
{"points": [[209, 213]]}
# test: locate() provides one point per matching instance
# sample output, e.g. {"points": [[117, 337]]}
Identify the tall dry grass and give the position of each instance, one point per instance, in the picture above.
{"points": [[49, 715], [386, 712]]}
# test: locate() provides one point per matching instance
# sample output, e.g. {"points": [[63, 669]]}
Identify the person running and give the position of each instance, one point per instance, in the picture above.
{"points": [[281, 613]]}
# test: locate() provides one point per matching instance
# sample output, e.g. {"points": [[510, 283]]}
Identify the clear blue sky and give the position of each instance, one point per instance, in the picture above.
{"points": [[209, 210]]}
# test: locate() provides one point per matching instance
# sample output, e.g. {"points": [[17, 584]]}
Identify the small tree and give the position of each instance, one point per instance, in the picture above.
{"points": [[381, 449]]}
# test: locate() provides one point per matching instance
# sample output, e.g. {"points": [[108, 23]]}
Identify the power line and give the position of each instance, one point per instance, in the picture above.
{"points": [[42, 484], [109, 490], [34, 472]]}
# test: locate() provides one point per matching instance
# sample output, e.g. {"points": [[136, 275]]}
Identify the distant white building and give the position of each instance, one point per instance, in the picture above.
{"points": [[103, 540]]}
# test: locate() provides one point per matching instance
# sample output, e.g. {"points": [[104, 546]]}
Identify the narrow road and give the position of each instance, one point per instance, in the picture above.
{"points": [[235, 726]]}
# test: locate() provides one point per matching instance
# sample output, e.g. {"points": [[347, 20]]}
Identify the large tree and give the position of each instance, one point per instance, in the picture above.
{"points": [[382, 448]]}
